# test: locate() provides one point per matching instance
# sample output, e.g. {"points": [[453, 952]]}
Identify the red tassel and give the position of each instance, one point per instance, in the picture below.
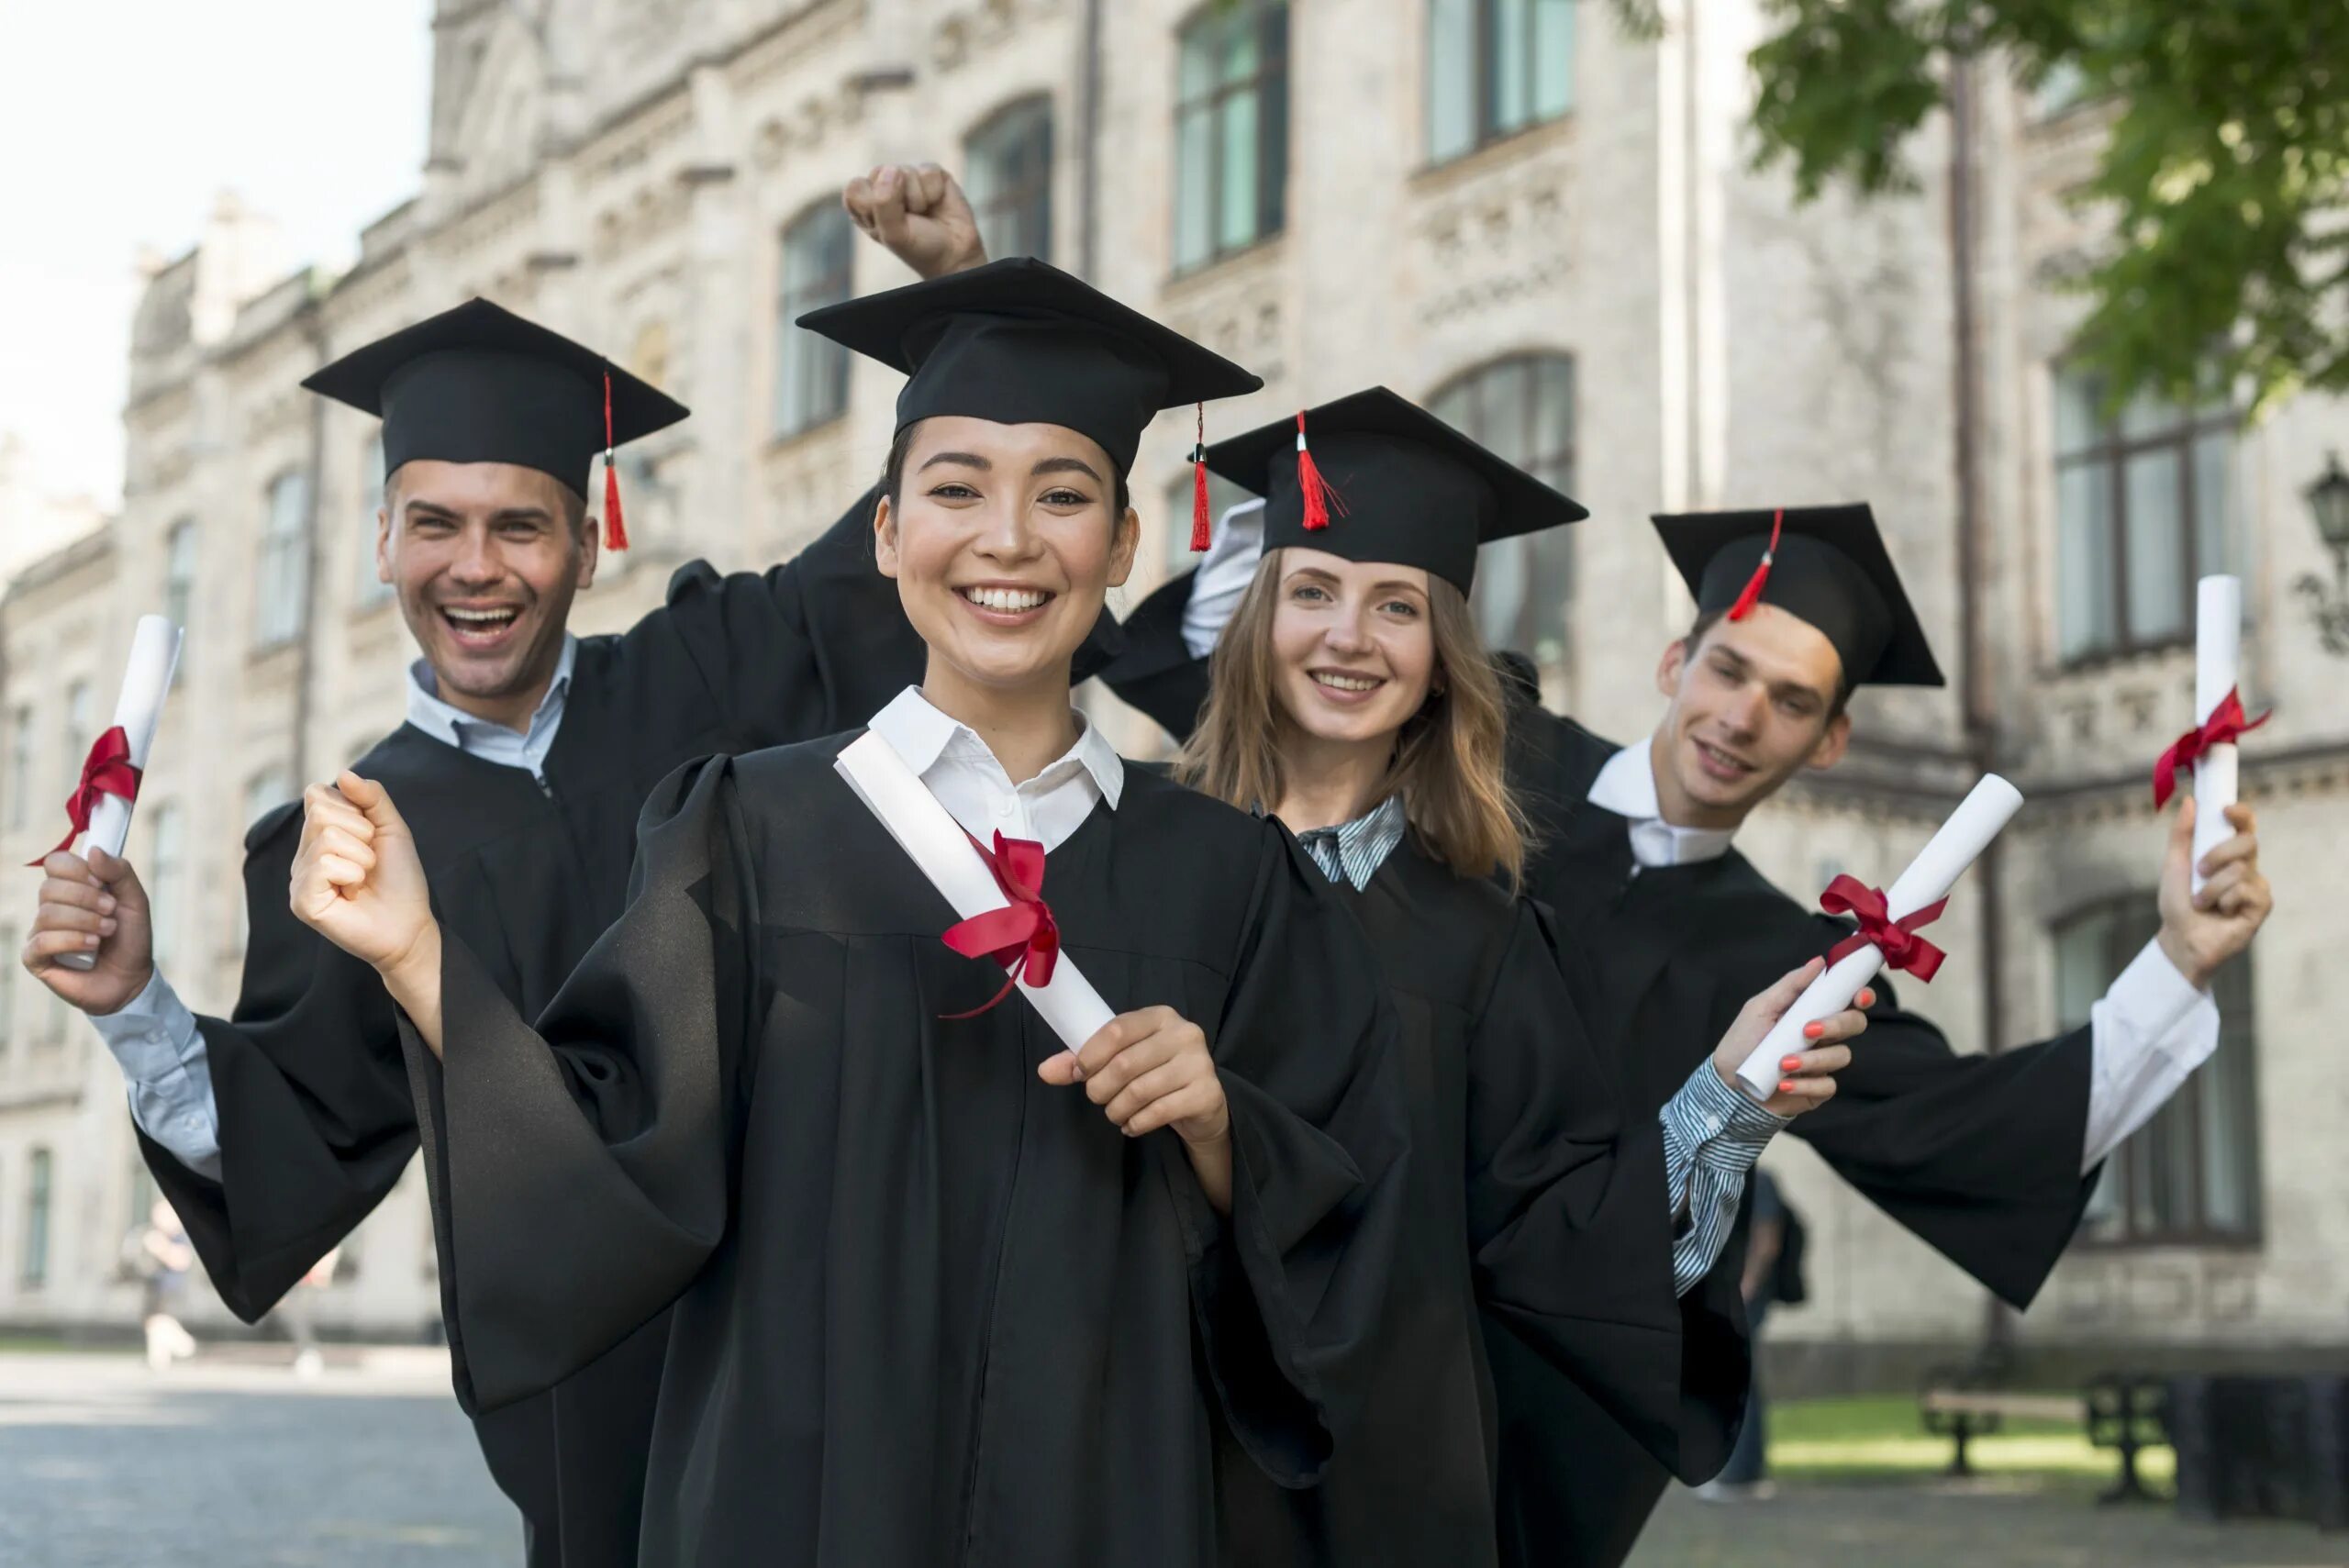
{"points": [[1320, 498], [614, 525], [1202, 526], [1752, 595]]}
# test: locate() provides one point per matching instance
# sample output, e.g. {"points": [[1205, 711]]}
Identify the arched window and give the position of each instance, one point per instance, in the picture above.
{"points": [[811, 373], [1007, 174], [2192, 1175], [1523, 408], [1496, 67], [179, 575], [281, 586], [1230, 129]]}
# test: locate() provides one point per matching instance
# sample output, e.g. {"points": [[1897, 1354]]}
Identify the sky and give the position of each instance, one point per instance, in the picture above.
{"points": [[120, 120]]}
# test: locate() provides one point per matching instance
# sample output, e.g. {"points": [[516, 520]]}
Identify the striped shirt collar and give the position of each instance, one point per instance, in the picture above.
{"points": [[1353, 852]]}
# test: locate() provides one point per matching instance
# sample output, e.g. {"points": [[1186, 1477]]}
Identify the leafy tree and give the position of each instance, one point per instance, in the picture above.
{"points": [[2224, 171]]}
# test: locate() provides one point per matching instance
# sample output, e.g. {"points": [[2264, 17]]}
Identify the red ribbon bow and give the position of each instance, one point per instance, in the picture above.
{"points": [[2226, 723], [1021, 936], [1902, 947], [106, 770]]}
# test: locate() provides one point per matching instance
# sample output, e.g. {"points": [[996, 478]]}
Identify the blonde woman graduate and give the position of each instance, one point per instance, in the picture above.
{"points": [[1352, 700], [948, 1287]]}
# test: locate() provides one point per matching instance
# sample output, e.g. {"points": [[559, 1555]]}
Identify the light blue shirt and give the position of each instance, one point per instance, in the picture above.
{"points": [[1712, 1133], [155, 1040]]}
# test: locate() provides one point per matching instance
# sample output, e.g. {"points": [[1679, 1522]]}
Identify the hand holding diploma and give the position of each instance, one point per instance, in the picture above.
{"points": [[1890, 921], [2211, 907], [1806, 1073], [92, 911]]}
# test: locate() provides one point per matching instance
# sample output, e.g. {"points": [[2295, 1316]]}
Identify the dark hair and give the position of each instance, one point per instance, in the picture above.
{"points": [[1707, 619], [892, 475]]}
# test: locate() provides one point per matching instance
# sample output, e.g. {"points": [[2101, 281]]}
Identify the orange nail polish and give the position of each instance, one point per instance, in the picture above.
{"points": [[1790, 1063], [1813, 1030], [1786, 1085]]}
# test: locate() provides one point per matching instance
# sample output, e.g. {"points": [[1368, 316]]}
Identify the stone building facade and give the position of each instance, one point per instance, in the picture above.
{"points": [[1548, 230]]}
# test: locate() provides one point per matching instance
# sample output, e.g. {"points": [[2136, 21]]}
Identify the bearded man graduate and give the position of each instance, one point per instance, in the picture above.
{"points": [[1991, 1159], [525, 759]]}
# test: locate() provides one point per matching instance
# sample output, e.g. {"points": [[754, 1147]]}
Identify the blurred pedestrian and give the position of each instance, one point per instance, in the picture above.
{"points": [[1773, 1274], [159, 1256], [299, 1313]]}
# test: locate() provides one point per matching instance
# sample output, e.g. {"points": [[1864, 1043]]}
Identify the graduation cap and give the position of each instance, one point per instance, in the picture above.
{"points": [[479, 383], [1826, 565], [1382, 479], [1020, 342]]}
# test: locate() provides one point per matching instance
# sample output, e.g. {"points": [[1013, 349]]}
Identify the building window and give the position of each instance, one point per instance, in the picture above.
{"points": [[1222, 496], [20, 766], [265, 792], [811, 373], [2141, 505], [1496, 67], [8, 986], [1231, 130], [1523, 408], [35, 1272], [282, 586], [77, 736], [1007, 166], [369, 589], [2192, 1175], [179, 576], [166, 882]]}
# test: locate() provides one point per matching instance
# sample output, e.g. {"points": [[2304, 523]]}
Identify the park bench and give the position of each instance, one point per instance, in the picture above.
{"points": [[2121, 1411]]}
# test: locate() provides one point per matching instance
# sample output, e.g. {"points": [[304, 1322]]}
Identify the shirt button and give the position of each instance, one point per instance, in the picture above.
{"points": [[1003, 808]]}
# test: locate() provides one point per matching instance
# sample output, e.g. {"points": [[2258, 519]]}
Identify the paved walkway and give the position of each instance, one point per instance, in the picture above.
{"points": [[1944, 1524]]}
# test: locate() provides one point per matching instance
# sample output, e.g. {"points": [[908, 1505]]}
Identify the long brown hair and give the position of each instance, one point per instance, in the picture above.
{"points": [[1448, 762]]}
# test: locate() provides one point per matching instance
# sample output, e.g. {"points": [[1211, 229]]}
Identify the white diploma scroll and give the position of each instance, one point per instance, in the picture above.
{"points": [[2218, 647], [1986, 808], [936, 843], [146, 681]]}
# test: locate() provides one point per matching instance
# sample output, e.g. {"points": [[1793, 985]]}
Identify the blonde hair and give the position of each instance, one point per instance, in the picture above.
{"points": [[1448, 765]]}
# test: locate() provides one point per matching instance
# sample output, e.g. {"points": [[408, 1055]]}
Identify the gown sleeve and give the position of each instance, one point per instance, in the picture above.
{"points": [[1287, 1290], [315, 1121], [1569, 1222], [1155, 670], [582, 1171]]}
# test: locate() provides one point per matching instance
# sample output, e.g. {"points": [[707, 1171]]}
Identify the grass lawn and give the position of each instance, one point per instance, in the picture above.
{"points": [[1882, 1438]]}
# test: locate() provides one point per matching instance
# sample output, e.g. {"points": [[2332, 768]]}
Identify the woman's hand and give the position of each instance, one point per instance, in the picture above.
{"points": [[1807, 1077], [1149, 1069], [358, 882]]}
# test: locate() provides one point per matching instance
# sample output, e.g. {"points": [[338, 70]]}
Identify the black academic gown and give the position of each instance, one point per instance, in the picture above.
{"points": [[1979, 1155], [316, 1116], [929, 1310], [1528, 1196]]}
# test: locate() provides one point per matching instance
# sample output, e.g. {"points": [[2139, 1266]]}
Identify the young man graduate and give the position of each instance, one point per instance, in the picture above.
{"points": [[525, 759], [1988, 1158]]}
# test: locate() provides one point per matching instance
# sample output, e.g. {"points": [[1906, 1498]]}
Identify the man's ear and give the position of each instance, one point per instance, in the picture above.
{"points": [[591, 544], [1123, 547], [1833, 743], [885, 537], [1669, 668], [383, 544]]}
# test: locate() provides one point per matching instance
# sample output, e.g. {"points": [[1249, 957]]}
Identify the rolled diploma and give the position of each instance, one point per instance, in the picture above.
{"points": [[146, 681], [935, 842], [1987, 807], [2218, 650]]}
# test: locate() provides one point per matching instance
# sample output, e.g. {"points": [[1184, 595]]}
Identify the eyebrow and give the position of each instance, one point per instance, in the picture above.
{"points": [[504, 514], [1739, 664], [1387, 585], [1064, 465], [965, 460]]}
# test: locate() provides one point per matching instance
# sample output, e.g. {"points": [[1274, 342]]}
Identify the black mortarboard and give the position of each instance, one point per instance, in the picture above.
{"points": [[1020, 342], [1826, 565], [1375, 477], [479, 383]]}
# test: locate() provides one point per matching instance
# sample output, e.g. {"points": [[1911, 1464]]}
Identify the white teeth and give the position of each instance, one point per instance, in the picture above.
{"points": [[1005, 599], [1346, 682], [480, 617]]}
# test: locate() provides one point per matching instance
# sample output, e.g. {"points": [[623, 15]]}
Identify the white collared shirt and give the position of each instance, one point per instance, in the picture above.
{"points": [[525, 748], [2147, 1033], [957, 767]]}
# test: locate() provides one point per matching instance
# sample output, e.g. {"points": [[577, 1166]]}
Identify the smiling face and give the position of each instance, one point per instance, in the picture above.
{"points": [[1003, 540], [1353, 652], [486, 558], [1753, 703]]}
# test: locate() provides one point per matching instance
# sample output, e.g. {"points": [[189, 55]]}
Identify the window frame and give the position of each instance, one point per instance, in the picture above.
{"points": [[40, 1196], [991, 138], [1270, 84], [2111, 451], [825, 220], [283, 564], [1483, 106], [23, 720], [1542, 463], [2130, 1165]]}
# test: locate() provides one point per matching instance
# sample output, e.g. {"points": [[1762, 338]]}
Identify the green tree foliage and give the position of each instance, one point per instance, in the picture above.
{"points": [[2223, 176]]}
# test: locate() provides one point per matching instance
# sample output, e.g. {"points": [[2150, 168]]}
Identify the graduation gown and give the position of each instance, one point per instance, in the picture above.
{"points": [[928, 1309], [317, 1120], [1528, 1196], [1979, 1155]]}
